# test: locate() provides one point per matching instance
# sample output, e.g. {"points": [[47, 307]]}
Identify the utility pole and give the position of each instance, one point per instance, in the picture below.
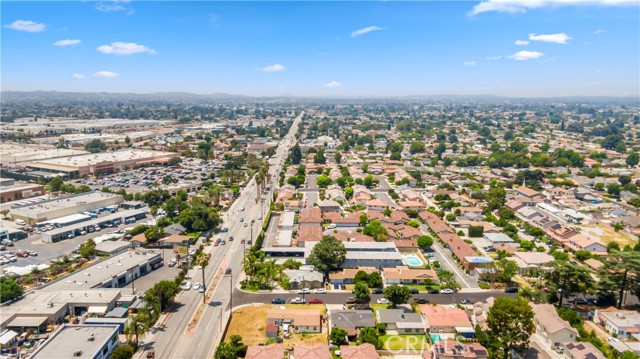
{"points": [[230, 293], [204, 292]]}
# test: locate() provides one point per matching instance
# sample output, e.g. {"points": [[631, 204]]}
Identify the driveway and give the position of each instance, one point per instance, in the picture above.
{"points": [[444, 257]]}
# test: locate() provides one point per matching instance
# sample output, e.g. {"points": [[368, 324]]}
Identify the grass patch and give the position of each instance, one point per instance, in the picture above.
{"points": [[405, 342], [247, 323], [607, 234]]}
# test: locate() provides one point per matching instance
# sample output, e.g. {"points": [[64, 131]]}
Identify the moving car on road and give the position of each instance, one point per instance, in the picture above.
{"points": [[278, 301], [315, 301], [422, 300], [297, 300]]}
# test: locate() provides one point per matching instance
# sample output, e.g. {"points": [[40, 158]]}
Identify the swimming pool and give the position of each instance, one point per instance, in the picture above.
{"points": [[413, 261]]}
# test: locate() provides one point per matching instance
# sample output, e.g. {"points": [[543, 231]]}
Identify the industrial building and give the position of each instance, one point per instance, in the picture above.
{"points": [[99, 163], [79, 341], [64, 206], [74, 227], [10, 190], [18, 154], [113, 272]]}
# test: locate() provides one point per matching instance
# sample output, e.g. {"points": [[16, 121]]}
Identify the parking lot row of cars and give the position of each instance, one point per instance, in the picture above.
{"points": [[11, 256]]}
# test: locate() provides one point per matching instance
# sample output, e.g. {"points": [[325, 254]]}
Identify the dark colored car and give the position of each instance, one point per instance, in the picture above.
{"points": [[433, 291], [316, 301], [511, 290], [414, 291], [581, 301], [465, 301], [227, 271], [351, 300], [376, 291], [422, 300], [278, 301]]}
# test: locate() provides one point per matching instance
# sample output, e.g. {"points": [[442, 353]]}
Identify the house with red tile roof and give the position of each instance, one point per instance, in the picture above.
{"points": [[271, 351], [362, 351], [451, 349], [444, 319], [317, 351]]}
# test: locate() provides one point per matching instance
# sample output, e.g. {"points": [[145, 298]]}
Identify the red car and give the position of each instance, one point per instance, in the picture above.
{"points": [[316, 301]]}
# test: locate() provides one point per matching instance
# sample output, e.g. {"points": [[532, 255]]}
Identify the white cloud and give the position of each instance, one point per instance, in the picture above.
{"points": [[80, 76], [365, 30], [67, 42], [522, 42], [27, 26], [106, 74], [519, 6], [559, 38], [273, 68], [333, 83], [491, 58], [125, 48], [526, 55], [114, 6], [599, 31], [469, 63]]}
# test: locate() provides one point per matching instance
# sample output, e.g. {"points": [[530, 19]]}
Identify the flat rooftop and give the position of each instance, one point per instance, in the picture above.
{"points": [[29, 210], [19, 187], [76, 338], [108, 157], [93, 276], [48, 302], [94, 222]]}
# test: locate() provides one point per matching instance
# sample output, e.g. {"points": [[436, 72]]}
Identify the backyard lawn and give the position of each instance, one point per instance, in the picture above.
{"points": [[405, 342]]}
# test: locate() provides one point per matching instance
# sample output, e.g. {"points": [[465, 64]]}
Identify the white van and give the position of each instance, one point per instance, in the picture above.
{"points": [[20, 222]]}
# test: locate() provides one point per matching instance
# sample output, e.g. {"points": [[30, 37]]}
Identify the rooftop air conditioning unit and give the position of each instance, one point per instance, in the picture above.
{"points": [[91, 337], [77, 353]]}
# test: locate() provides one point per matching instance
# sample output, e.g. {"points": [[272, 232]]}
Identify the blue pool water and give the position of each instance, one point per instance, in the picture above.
{"points": [[413, 261]]}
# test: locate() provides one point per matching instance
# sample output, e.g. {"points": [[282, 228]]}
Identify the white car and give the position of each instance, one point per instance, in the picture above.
{"points": [[186, 286], [383, 301], [297, 300], [446, 291], [304, 291], [321, 291], [196, 285]]}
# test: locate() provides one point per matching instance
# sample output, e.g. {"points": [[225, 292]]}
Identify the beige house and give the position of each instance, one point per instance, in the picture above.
{"points": [[551, 328]]}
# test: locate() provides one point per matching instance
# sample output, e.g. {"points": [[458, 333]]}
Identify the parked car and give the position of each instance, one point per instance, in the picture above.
{"points": [[382, 301], [433, 291], [223, 242], [186, 286], [201, 289], [172, 263], [320, 291], [351, 300], [377, 291], [465, 301], [422, 300], [511, 290], [316, 301], [580, 301], [196, 285], [227, 271], [304, 291], [447, 291], [297, 300], [414, 291], [278, 301]]}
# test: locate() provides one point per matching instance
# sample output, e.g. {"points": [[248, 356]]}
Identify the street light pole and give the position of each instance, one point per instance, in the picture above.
{"points": [[230, 293]]}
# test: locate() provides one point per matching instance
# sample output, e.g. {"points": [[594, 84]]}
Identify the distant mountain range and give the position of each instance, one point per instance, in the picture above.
{"points": [[53, 97]]}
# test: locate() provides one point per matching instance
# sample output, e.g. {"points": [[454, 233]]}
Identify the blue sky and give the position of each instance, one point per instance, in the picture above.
{"points": [[325, 48]]}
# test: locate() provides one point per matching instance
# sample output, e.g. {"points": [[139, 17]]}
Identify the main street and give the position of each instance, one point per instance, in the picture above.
{"points": [[194, 329]]}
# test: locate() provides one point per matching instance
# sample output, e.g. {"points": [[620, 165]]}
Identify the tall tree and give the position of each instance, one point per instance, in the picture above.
{"points": [[296, 154], [567, 279], [397, 294], [510, 324], [621, 273], [362, 292], [369, 335], [328, 255]]}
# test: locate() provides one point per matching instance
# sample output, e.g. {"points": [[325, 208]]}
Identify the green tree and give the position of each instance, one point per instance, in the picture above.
{"points": [[319, 158], [510, 324], [397, 294], [153, 234], [56, 184], [425, 241], [417, 147], [447, 280], [9, 288], [362, 292], [613, 189], [370, 335], [123, 352], [296, 155], [621, 272], [375, 280], [376, 230], [633, 159], [225, 351], [88, 249], [368, 180], [323, 181], [95, 146], [328, 255], [476, 231], [174, 161], [338, 336], [568, 280]]}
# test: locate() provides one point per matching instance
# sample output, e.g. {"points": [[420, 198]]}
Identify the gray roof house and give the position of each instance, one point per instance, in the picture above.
{"points": [[402, 320], [352, 320]]}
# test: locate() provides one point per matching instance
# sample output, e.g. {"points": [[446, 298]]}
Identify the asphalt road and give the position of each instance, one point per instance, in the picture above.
{"points": [[178, 339], [241, 297]]}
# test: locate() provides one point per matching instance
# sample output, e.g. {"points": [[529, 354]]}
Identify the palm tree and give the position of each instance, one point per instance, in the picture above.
{"points": [[202, 260], [136, 327]]}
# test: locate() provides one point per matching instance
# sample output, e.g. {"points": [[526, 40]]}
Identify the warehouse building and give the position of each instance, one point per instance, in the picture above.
{"points": [[100, 163], [73, 229], [80, 341], [113, 272], [60, 207], [10, 190]]}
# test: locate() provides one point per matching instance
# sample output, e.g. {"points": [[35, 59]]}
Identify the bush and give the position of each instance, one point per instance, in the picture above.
{"points": [[382, 328]]}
